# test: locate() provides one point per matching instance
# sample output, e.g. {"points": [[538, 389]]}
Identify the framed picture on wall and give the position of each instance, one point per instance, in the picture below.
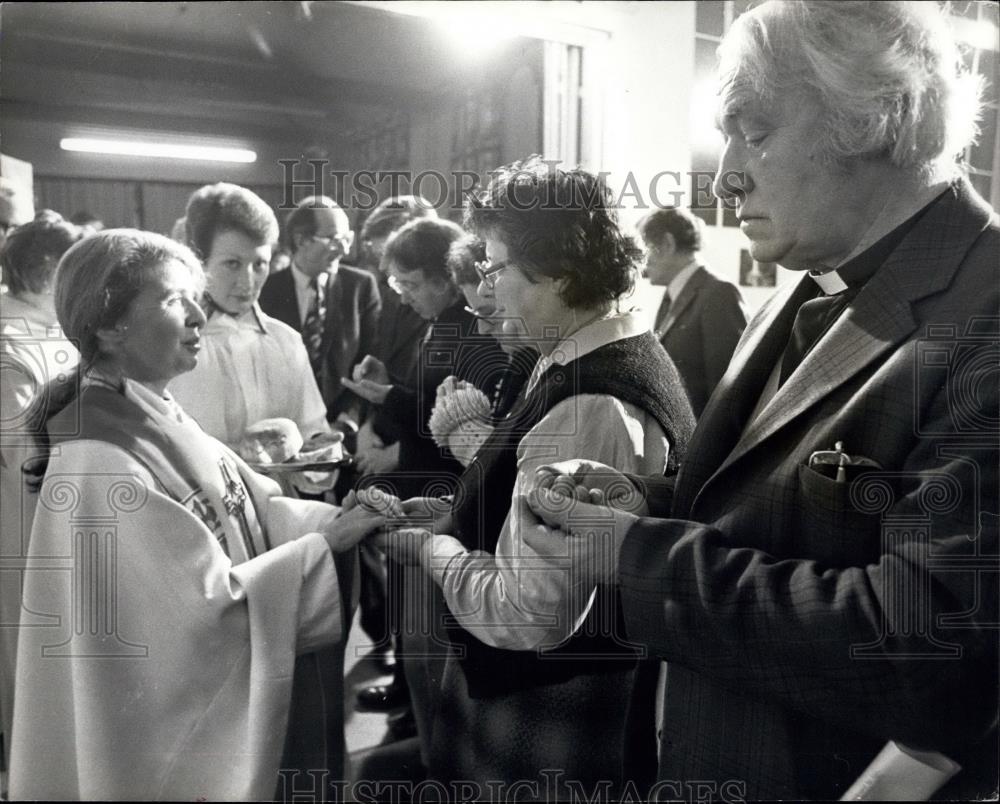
{"points": [[755, 274]]}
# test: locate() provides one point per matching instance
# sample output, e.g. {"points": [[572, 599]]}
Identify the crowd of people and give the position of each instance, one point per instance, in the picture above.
{"points": [[601, 559]]}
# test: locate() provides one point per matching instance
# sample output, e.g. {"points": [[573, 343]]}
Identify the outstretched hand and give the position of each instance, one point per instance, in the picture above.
{"points": [[361, 514], [370, 390], [592, 482]]}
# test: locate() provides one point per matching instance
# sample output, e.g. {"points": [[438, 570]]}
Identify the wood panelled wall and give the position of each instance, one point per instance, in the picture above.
{"points": [[151, 205]]}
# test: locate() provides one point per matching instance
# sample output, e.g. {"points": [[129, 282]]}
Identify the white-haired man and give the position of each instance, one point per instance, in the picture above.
{"points": [[821, 576]]}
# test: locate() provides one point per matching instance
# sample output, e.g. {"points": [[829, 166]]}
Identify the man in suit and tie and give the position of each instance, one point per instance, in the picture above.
{"points": [[334, 306], [821, 575], [701, 316]]}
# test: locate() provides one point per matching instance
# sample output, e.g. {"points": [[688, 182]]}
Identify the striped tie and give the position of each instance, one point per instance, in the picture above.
{"points": [[312, 327]]}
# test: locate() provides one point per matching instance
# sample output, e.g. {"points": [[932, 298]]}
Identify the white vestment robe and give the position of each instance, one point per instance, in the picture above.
{"points": [[166, 669]]}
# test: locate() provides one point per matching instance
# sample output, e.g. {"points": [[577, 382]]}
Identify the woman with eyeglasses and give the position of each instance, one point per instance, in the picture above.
{"points": [[463, 416], [176, 585], [540, 675], [416, 261]]}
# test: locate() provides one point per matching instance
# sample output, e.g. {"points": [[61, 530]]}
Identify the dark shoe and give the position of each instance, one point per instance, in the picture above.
{"points": [[383, 697], [401, 726]]}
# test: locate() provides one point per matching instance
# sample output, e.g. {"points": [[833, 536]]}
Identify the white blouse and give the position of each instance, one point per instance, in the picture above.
{"points": [[251, 367], [517, 599]]}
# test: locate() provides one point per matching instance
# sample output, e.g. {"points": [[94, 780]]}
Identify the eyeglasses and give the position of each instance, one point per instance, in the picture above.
{"points": [[328, 240], [488, 271], [485, 311], [402, 286]]}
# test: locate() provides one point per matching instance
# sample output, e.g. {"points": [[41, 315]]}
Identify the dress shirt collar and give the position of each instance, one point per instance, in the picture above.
{"points": [[303, 279], [252, 318], [678, 282], [613, 327]]}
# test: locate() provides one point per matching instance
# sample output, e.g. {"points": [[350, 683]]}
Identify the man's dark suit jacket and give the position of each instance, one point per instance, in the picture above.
{"points": [[401, 331], [351, 329], [807, 621], [700, 332]]}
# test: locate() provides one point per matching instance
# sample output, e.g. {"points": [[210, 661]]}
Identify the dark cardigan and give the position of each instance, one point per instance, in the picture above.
{"points": [[636, 370]]}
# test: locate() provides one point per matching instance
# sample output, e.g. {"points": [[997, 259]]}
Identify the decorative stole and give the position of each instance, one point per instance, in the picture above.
{"points": [[189, 466]]}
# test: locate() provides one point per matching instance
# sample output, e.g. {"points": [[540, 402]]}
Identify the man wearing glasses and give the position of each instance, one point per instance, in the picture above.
{"points": [[334, 306]]}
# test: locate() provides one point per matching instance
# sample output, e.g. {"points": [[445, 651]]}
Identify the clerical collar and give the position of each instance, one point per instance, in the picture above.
{"points": [[859, 269]]}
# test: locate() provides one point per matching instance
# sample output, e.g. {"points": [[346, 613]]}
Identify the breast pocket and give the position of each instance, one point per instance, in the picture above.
{"points": [[836, 533]]}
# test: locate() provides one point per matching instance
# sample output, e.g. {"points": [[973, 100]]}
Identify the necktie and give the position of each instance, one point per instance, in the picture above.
{"points": [[312, 327], [811, 321], [661, 314]]}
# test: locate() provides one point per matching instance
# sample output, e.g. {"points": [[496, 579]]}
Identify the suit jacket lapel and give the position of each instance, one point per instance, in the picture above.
{"points": [[879, 318], [286, 308], [684, 300], [334, 314], [724, 418]]}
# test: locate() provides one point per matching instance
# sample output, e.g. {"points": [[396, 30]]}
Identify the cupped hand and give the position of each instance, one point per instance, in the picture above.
{"points": [[370, 390], [592, 482], [429, 512], [371, 368], [563, 528]]}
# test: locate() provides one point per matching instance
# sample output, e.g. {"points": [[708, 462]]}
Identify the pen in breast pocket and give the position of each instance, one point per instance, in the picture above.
{"points": [[842, 461]]}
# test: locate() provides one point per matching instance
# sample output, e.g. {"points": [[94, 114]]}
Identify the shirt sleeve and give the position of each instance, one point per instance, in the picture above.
{"points": [[518, 599]]}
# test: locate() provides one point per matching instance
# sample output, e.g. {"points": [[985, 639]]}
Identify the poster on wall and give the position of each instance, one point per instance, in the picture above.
{"points": [[17, 187]]}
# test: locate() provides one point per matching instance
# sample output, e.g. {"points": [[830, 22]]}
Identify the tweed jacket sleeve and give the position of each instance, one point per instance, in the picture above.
{"points": [[869, 604]]}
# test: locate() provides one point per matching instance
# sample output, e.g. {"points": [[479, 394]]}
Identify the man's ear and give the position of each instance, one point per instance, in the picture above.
{"points": [[668, 244], [349, 241]]}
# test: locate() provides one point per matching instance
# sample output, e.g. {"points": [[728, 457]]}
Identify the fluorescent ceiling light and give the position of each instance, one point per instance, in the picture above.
{"points": [[157, 150], [980, 34]]}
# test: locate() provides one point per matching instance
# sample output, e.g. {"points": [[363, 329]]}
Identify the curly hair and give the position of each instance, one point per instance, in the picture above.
{"points": [[462, 258], [561, 224], [888, 74], [99, 278], [32, 250], [423, 244], [223, 207]]}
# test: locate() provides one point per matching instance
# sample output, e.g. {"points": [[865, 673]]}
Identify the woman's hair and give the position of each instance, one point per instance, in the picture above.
{"points": [[423, 244], [99, 278], [392, 213], [217, 208], [32, 251], [462, 258], [888, 75], [561, 224]]}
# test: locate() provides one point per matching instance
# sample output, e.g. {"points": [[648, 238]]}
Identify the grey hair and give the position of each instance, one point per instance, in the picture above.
{"points": [[888, 74]]}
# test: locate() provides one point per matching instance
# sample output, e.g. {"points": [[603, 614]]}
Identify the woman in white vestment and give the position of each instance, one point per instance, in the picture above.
{"points": [[178, 586], [36, 366]]}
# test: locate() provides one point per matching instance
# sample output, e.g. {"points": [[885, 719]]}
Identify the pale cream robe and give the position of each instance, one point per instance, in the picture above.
{"points": [[179, 688]]}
